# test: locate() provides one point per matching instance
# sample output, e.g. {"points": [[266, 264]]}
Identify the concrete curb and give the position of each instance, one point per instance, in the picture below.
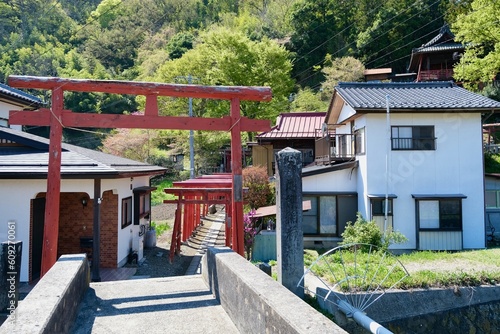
{"points": [[255, 302], [52, 305]]}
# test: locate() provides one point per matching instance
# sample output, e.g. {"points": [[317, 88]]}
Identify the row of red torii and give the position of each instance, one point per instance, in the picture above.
{"points": [[193, 199], [58, 118]]}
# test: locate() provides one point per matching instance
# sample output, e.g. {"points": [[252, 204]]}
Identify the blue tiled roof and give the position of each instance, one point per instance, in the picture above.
{"points": [[412, 95], [19, 95]]}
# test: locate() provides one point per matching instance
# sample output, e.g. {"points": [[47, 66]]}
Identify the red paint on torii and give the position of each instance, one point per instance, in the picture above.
{"points": [[57, 118]]}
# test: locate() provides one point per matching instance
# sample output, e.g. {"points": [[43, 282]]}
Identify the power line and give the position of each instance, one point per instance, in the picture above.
{"points": [[353, 42]]}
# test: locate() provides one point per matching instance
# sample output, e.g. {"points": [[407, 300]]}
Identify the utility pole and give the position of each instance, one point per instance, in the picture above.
{"points": [[191, 132], [191, 135]]}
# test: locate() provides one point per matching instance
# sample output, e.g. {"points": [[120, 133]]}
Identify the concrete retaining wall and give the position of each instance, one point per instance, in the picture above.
{"points": [[432, 308], [255, 302], [52, 304]]}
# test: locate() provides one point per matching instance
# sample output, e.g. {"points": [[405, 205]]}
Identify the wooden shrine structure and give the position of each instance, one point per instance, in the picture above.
{"points": [[193, 199], [58, 118]]}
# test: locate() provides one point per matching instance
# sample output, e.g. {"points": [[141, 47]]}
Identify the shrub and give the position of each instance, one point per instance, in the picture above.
{"points": [[259, 191], [368, 232], [250, 231]]}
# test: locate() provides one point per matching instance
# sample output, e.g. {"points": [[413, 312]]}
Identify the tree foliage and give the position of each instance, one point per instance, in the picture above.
{"points": [[225, 57], [289, 45], [480, 30], [345, 69]]}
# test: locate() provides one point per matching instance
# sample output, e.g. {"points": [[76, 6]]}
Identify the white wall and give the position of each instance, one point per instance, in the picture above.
{"points": [[16, 196], [126, 236], [4, 114], [345, 113], [15, 200], [340, 181], [455, 167]]}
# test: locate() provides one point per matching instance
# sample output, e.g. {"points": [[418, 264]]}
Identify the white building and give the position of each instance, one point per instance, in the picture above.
{"points": [[123, 187], [417, 144]]}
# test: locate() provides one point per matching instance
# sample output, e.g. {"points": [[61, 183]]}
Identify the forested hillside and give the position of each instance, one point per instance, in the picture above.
{"points": [[300, 48]]}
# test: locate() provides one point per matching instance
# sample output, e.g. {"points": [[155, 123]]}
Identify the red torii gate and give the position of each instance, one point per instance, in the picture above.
{"points": [[57, 118]]}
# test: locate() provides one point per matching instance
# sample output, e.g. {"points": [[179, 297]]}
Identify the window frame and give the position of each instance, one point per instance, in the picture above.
{"points": [[497, 198], [338, 225], [142, 203], [417, 142], [442, 213], [359, 141], [382, 203], [126, 212]]}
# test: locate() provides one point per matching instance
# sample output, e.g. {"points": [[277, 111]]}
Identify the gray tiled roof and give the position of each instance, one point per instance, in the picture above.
{"points": [[413, 95], [19, 95], [31, 159], [439, 48]]}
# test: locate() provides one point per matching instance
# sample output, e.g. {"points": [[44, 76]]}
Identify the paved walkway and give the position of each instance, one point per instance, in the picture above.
{"points": [[182, 304]]}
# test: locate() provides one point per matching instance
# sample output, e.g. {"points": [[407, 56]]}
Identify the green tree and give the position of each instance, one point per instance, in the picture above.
{"points": [[225, 57], [319, 27], [308, 100], [398, 26], [106, 12], [480, 30], [344, 69], [179, 44]]}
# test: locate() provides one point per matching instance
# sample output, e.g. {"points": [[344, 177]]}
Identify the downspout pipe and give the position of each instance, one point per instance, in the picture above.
{"points": [[362, 319]]}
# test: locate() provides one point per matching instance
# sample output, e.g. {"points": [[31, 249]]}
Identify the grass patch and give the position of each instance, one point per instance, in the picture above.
{"points": [[439, 269], [159, 195], [160, 227]]}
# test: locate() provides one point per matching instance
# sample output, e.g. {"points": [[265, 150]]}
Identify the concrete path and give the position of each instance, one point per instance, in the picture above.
{"points": [[182, 304]]}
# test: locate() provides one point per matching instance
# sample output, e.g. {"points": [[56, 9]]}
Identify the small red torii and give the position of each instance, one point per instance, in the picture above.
{"points": [[57, 118]]}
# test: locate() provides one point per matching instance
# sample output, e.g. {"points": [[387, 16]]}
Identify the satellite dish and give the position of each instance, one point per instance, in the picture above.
{"points": [[352, 277]]}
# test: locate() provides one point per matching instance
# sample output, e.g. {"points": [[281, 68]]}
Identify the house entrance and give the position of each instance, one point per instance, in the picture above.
{"points": [[36, 242]]}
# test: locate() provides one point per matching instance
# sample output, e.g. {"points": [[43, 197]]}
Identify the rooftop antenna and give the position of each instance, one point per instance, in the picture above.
{"points": [[360, 278]]}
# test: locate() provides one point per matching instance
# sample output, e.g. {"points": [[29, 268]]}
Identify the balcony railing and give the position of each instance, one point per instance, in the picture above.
{"points": [[334, 148], [444, 74]]}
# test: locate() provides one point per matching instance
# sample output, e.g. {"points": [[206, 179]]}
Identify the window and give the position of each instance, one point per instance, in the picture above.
{"points": [[126, 212], [328, 214], [378, 211], [492, 198], [142, 203], [413, 138], [378, 207], [440, 214], [359, 141]]}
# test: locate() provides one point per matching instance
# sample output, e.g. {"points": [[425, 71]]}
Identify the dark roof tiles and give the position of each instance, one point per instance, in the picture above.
{"points": [[421, 95], [32, 158], [19, 95]]}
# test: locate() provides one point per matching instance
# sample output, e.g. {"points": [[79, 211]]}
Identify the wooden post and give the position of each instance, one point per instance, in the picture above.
{"points": [[237, 205], [51, 230], [96, 243]]}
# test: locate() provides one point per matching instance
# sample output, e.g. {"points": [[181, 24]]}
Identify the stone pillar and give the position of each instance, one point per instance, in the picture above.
{"points": [[10, 271], [289, 231]]}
